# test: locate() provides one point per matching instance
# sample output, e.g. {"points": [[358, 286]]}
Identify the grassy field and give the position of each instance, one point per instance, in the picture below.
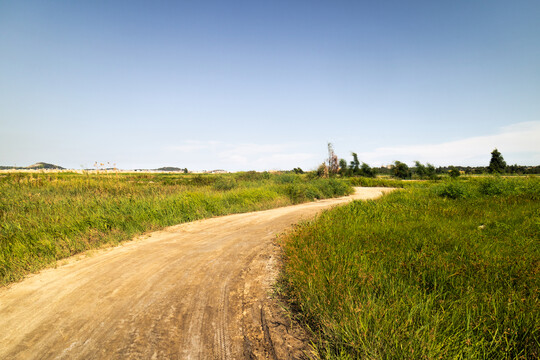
{"points": [[49, 216], [449, 270], [382, 182]]}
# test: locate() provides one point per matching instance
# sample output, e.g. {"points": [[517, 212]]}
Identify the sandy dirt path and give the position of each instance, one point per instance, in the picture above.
{"points": [[192, 291]]}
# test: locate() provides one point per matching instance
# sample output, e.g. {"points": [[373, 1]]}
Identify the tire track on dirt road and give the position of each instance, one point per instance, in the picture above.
{"points": [[192, 291]]}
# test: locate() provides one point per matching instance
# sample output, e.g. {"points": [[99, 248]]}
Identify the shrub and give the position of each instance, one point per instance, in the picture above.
{"points": [[286, 178], [494, 186], [225, 183], [203, 180], [452, 190], [374, 182], [322, 171], [454, 172], [296, 193], [252, 176]]}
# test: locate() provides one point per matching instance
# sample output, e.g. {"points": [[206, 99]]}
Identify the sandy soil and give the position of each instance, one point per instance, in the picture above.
{"points": [[199, 290]]}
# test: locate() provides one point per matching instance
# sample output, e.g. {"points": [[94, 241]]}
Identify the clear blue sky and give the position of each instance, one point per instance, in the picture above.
{"points": [[262, 85]]}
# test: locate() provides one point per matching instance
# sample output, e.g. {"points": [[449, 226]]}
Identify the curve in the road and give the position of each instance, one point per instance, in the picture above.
{"points": [[191, 291]]}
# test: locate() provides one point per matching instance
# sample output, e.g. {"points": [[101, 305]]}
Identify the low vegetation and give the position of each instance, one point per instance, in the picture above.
{"points": [[445, 271], [377, 182], [49, 216]]}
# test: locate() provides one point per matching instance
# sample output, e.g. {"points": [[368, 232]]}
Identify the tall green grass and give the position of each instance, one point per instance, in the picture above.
{"points": [[382, 182], [450, 271], [50, 216]]}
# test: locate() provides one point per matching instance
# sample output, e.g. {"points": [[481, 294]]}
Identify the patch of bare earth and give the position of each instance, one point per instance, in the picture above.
{"points": [[200, 290]]}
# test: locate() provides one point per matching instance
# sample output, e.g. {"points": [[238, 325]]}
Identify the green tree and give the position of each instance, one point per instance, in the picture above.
{"points": [[401, 170], [420, 170], [355, 165], [366, 170], [343, 167], [454, 172], [497, 164], [430, 171]]}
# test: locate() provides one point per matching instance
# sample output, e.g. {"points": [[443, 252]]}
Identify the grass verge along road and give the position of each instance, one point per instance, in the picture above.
{"points": [[448, 270]]}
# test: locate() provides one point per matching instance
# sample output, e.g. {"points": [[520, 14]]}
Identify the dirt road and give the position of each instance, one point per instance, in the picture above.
{"points": [[193, 291]]}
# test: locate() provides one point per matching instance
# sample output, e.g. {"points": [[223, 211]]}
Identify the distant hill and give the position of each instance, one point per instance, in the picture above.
{"points": [[42, 165], [170, 168]]}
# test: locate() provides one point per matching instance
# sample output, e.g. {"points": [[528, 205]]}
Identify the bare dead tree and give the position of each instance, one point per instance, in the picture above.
{"points": [[333, 162]]}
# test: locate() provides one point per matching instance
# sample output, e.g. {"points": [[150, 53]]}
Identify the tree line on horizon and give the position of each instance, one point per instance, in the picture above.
{"points": [[334, 167]]}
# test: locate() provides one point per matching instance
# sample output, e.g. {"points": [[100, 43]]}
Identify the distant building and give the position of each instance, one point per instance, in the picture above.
{"points": [[218, 171]]}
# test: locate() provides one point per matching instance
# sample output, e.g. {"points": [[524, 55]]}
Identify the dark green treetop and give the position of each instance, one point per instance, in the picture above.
{"points": [[401, 170], [497, 164]]}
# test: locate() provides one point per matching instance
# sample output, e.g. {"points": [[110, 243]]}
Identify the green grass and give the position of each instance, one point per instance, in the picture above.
{"points": [[373, 182], [448, 271], [50, 216]]}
